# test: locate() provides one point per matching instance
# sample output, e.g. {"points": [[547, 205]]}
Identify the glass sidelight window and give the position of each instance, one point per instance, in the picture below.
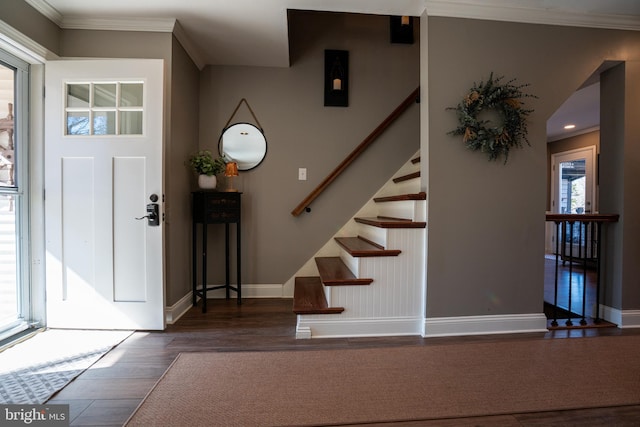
{"points": [[105, 108], [14, 283]]}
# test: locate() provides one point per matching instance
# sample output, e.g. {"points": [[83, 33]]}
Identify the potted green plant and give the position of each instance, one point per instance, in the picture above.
{"points": [[207, 167]]}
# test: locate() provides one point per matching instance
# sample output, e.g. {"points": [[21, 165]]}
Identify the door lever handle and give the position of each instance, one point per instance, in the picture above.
{"points": [[153, 214]]}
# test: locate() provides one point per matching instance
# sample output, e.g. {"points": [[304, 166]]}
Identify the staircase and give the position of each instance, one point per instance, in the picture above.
{"points": [[374, 283]]}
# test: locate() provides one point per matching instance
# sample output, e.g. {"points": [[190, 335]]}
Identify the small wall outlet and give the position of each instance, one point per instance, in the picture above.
{"points": [[302, 174]]}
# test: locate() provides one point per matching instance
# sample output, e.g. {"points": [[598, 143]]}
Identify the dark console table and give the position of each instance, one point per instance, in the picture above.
{"points": [[215, 207]]}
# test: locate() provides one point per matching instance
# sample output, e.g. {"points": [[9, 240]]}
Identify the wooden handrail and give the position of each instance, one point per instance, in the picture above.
{"points": [[356, 152], [583, 217]]}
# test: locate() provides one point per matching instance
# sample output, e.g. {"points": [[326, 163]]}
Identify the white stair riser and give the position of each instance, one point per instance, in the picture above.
{"points": [[353, 263], [397, 289], [406, 209], [403, 187]]}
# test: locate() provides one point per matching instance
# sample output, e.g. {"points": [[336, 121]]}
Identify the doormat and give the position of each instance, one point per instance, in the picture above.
{"points": [[34, 370]]}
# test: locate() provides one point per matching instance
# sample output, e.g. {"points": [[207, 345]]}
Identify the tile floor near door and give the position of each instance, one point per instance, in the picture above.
{"points": [[109, 392]]}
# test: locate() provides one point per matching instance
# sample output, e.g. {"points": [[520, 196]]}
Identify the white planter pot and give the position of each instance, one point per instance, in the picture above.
{"points": [[207, 182]]}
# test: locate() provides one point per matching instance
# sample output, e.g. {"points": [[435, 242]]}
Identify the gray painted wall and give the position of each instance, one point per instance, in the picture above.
{"points": [[301, 132], [486, 220], [183, 140], [631, 212], [115, 44], [620, 174], [612, 122]]}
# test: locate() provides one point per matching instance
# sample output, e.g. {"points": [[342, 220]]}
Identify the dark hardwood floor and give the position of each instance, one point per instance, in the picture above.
{"points": [[109, 392]]}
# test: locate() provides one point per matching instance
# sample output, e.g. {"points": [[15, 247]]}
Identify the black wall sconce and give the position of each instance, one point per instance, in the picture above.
{"points": [[401, 29], [336, 78]]}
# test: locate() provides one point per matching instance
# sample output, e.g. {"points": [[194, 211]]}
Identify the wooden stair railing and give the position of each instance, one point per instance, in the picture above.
{"points": [[589, 242], [304, 205]]}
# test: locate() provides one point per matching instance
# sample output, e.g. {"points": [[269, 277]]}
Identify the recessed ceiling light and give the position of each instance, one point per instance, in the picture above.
{"points": [[570, 127]]}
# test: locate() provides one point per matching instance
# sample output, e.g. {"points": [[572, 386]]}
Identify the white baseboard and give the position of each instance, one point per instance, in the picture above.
{"points": [[622, 318], [251, 291], [350, 328], [611, 314], [177, 310], [433, 327], [630, 319], [303, 332], [484, 325]]}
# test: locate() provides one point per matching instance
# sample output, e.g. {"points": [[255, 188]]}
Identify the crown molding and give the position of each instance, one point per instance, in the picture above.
{"points": [[47, 10], [22, 46], [162, 25], [165, 25], [188, 45], [479, 9]]}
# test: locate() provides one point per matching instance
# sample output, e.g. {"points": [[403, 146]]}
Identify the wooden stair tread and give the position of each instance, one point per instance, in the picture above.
{"points": [[407, 177], [334, 272], [309, 298], [402, 197], [361, 247], [387, 222]]}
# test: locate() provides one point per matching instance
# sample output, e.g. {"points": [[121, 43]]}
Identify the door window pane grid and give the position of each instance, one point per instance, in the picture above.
{"points": [[112, 108]]}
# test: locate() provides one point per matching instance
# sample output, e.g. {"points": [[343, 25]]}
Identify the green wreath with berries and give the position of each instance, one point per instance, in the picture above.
{"points": [[508, 130]]}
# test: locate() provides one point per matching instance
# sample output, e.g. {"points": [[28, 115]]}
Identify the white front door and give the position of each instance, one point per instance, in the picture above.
{"points": [[573, 191], [103, 166]]}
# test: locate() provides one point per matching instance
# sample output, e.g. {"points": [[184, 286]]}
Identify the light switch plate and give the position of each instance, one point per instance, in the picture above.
{"points": [[302, 174]]}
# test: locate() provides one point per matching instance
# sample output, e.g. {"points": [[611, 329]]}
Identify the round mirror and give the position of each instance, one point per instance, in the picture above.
{"points": [[243, 143]]}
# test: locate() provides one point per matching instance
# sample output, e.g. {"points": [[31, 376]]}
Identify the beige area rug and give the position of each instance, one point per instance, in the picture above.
{"points": [[336, 387]]}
